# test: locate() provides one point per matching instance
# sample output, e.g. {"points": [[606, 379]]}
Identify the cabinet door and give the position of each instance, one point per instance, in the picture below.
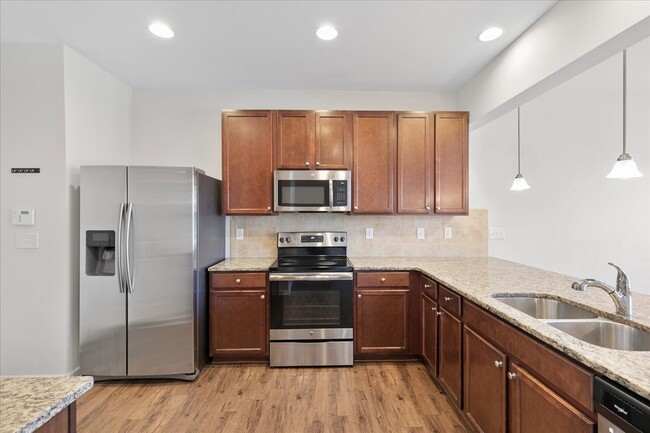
{"points": [[414, 164], [430, 332], [382, 321], [295, 140], [484, 382], [374, 162], [534, 408], [238, 322], [451, 163], [333, 140], [450, 354], [247, 152]]}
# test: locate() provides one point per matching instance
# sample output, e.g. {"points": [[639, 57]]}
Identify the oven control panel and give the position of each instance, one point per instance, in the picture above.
{"points": [[312, 239]]}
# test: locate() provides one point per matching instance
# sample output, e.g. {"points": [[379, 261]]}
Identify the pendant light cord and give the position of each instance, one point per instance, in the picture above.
{"points": [[519, 142], [624, 97]]}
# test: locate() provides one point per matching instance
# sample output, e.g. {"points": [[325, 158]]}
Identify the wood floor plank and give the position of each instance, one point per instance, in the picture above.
{"points": [[367, 398]]}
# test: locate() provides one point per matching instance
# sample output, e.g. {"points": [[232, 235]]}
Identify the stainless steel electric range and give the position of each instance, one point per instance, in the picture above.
{"points": [[311, 301]]}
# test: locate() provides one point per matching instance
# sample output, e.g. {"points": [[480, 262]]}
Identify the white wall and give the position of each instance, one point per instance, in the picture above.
{"points": [[573, 220], [35, 304], [58, 111], [570, 38], [184, 127]]}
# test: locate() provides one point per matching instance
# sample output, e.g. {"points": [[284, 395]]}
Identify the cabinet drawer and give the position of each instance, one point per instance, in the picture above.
{"points": [[562, 374], [382, 279], [220, 280], [449, 301], [429, 287]]}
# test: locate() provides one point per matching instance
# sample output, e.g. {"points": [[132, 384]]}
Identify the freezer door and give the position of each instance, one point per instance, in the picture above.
{"points": [[161, 257], [102, 302]]}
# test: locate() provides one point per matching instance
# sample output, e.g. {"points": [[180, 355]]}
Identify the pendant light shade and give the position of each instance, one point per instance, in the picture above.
{"points": [[625, 167], [519, 184]]}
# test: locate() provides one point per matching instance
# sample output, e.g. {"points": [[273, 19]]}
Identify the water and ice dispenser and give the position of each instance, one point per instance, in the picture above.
{"points": [[100, 252]]}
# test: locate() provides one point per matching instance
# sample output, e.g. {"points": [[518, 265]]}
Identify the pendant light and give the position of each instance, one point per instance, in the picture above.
{"points": [[519, 183], [625, 167]]}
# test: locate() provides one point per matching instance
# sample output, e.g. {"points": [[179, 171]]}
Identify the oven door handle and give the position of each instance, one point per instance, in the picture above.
{"points": [[312, 276]]}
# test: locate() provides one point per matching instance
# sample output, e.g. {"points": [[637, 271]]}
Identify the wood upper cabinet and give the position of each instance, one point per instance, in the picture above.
{"points": [[309, 140], [374, 162], [450, 353], [451, 162], [414, 163], [238, 314], [430, 332], [247, 162], [535, 408], [484, 382]]}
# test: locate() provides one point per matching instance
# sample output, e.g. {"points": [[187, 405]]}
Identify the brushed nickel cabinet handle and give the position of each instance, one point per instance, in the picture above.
{"points": [[262, 297], [317, 164], [359, 296], [268, 208], [427, 286], [439, 313], [498, 364], [447, 299], [511, 376], [428, 207], [237, 281], [356, 207], [307, 164], [383, 279]]}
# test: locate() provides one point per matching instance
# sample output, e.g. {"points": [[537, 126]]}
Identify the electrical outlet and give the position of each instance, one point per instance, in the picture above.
{"points": [[26, 240], [369, 233], [448, 233], [239, 234], [497, 233], [420, 232]]}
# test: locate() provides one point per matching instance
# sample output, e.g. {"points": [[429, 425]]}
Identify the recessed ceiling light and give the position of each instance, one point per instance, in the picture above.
{"points": [[161, 30], [326, 33], [490, 34]]}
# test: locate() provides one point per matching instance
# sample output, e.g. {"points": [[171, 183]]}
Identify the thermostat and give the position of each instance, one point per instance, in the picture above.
{"points": [[22, 217]]}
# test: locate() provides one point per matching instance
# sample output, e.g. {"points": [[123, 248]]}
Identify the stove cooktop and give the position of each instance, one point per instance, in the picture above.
{"points": [[312, 264]]}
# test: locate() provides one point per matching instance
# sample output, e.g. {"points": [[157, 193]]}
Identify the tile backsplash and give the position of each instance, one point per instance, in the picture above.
{"points": [[394, 235]]}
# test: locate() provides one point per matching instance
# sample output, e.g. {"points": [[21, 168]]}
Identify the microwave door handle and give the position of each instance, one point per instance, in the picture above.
{"points": [[331, 182]]}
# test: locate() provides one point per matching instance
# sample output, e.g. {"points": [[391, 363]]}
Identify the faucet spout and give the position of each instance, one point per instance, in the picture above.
{"points": [[621, 295]]}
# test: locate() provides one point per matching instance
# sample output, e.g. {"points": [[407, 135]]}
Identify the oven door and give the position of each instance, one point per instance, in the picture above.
{"points": [[317, 301]]}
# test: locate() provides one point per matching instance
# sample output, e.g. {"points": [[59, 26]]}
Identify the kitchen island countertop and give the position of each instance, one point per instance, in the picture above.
{"points": [[26, 403], [478, 279]]}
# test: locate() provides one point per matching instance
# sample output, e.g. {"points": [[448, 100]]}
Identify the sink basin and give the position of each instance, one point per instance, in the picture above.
{"points": [[605, 333], [544, 308]]}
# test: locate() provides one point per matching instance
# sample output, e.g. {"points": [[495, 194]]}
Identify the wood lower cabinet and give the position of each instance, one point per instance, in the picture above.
{"points": [[430, 332], [484, 382], [450, 351], [238, 315], [382, 321], [374, 162], [414, 164], [535, 408], [451, 163], [247, 162], [63, 422]]}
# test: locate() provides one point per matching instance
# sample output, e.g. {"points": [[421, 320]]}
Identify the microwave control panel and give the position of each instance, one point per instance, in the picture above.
{"points": [[340, 188]]}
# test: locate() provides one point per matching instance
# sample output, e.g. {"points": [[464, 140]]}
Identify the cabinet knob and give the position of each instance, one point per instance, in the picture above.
{"points": [[359, 296], [268, 208], [383, 279], [427, 286], [307, 164], [262, 297], [356, 207], [237, 281], [511, 376], [438, 313], [498, 364], [433, 308], [447, 299], [428, 207], [317, 164]]}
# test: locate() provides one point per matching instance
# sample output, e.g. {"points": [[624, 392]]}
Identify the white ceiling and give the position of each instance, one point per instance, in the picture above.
{"points": [[382, 45]]}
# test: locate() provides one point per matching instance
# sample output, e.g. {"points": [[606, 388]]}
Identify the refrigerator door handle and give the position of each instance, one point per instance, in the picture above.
{"points": [[129, 222], [120, 271]]}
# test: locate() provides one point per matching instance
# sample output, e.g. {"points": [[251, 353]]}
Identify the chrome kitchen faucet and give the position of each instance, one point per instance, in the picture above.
{"points": [[622, 294]]}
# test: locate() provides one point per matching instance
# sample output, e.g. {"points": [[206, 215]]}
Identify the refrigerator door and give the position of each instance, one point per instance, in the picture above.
{"points": [[102, 300], [161, 245]]}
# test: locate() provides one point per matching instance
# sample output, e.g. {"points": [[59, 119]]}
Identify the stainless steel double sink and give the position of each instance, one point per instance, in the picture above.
{"points": [[580, 323]]}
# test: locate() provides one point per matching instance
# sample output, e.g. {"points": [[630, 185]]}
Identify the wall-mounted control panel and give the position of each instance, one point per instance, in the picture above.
{"points": [[22, 217]]}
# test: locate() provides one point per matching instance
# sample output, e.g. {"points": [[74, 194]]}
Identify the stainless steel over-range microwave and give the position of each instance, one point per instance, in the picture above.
{"points": [[312, 190]]}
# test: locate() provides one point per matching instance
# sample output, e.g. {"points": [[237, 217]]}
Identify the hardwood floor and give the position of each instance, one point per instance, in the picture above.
{"points": [[370, 397]]}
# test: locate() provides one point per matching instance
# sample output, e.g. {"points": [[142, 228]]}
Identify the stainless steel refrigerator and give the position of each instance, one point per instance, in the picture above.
{"points": [[147, 236]]}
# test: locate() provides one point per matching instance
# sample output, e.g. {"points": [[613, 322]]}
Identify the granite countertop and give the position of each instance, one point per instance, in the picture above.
{"points": [[26, 403], [478, 279]]}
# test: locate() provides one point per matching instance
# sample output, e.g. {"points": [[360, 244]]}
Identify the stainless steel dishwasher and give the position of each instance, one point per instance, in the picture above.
{"points": [[619, 410]]}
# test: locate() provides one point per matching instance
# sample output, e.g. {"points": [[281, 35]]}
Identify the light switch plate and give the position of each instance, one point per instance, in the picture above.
{"points": [[420, 232], [497, 233], [448, 233], [239, 234], [369, 233], [26, 240], [22, 217]]}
